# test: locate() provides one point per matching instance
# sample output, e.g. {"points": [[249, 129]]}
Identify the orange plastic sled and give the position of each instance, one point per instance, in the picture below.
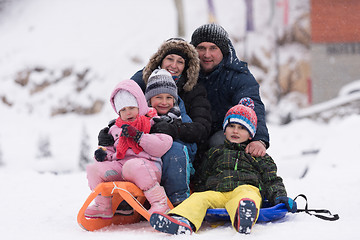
{"points": [[119, 191]]}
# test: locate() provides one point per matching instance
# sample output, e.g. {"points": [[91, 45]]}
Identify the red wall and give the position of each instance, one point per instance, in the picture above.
{"points": [[334, 21]]}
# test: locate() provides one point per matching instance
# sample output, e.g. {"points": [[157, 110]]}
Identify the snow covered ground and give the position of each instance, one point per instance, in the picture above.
{"points": [[43, 206], [316, 159]]}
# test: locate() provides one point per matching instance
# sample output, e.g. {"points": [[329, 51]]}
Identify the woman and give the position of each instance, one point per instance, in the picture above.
{"points": [[181, 60]]}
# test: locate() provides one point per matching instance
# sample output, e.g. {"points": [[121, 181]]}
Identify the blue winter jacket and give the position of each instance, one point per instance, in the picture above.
{"points": [[230, 81]]}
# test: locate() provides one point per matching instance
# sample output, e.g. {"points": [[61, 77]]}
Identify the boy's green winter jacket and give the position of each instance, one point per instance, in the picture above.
{"points": [[228, 166]]}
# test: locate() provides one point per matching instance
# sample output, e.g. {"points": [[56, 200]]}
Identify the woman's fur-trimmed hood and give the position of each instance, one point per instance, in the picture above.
{"points": [[193, 65]]}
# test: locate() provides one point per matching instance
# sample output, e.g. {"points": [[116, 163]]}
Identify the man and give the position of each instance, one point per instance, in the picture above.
{"points": [[227, 80]]}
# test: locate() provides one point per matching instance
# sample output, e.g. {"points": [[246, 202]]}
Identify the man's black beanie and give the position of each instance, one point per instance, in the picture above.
{"points": [[213, 33]]}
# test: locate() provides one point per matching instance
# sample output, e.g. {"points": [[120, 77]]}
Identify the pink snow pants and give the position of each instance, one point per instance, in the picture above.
{"points": [[142, 172]]}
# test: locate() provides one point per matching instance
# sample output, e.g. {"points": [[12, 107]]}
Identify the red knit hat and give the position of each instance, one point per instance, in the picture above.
{"points": [[243, 114]]}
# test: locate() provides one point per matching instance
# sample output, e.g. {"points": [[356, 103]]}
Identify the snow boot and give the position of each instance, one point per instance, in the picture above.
{"points": [[101, 209], [174, 224], [245, 216], [157, 199]]}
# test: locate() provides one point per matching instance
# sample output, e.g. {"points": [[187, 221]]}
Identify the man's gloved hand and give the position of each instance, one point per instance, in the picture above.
{"points": [[100, 155], [104, 138], [166, 128], [289, 203], [131, 132]]}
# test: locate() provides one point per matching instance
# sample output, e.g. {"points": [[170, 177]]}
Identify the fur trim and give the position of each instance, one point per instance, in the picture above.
{"points": [[192, 72]]}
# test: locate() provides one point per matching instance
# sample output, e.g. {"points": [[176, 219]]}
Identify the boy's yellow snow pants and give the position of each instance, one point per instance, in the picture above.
{"points": [[194, 208]]}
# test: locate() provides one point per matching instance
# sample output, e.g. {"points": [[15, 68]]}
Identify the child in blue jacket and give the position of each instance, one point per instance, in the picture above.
{"points": [[161, 94]]}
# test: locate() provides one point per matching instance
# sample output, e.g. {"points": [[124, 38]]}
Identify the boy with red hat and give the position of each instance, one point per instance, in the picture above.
{"points": [[229, 178]]}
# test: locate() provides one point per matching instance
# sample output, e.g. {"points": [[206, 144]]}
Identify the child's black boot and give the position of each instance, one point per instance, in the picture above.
{"points": [[245, 216], [170, 224]]}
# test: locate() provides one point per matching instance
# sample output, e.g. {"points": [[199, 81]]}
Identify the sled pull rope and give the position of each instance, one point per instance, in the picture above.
{"points": [[116, 187], [333, 217]]}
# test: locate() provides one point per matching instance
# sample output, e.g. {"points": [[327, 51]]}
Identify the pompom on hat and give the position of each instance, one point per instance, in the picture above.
{"points": [[242, 114], [213, 33], [160, 81]]}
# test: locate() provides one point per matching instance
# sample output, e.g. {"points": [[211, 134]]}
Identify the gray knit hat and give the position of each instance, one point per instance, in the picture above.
{"points": [[213, 33], [160, 81]]}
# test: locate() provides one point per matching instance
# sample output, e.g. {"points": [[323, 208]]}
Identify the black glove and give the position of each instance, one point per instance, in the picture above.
{"points": [[289, 203], [170, 117], [100, 155], [104, 138], [163, 118], [174, 113], [167, 128], [131, 132]]}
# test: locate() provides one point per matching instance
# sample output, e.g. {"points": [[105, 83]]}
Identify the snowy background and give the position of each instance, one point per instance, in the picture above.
{"points": [[42, 186]]}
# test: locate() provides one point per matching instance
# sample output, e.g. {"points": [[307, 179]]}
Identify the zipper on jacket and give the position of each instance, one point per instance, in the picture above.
{"points": [[237, 160], [236, 163]]}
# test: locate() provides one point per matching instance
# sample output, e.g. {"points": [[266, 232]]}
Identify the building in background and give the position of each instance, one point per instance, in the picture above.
{"points": [[335, 48]]}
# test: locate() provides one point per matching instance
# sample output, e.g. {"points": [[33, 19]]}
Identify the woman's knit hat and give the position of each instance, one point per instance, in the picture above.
{"points": [[243, 114], [178, 51], [182, 48], [160, 81], [213, 33]]}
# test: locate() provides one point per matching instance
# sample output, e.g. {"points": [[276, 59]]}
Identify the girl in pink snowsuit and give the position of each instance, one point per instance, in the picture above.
{"points": [[135, 155]]}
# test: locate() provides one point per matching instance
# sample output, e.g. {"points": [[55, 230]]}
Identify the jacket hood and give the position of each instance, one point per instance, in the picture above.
{"points": [[193, 65], [231, 61], [132, 87]]}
